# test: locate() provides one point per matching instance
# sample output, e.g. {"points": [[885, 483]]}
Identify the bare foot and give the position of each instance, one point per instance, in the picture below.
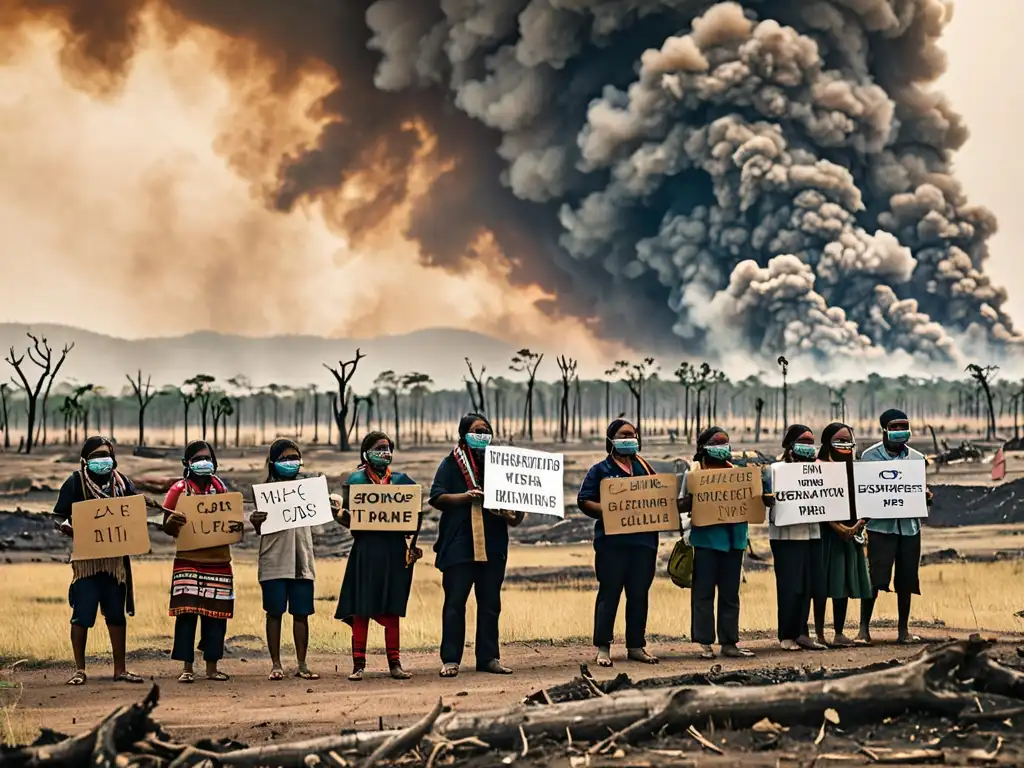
{"points": [[842, 641], [807, 644], [604, 658], [790, 645], [641, 655]]}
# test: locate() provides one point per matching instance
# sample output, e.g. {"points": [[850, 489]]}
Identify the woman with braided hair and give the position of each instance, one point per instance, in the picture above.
{"points": [[202, 581], [103, 585], [471, 549], [378, 575]]}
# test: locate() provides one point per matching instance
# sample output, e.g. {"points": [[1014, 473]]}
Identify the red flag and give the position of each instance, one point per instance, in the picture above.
{"points": [[999, 465]]}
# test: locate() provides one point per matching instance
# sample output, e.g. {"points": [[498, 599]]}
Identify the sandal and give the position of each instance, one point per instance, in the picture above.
{"points": [[187, 677], [305, 674], [494, 667], [128, 677], [735, 652], [450, 670], [397, 673], [641, 655], [604, 658], [707, 653], [218, 677], [908, 640], [276, 674], [79, 678], [357, 674]]}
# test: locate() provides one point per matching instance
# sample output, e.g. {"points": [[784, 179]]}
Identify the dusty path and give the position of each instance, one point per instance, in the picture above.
{"points": [[251, 709]]}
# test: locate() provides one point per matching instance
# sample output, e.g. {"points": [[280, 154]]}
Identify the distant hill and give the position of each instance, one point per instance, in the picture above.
{"points": [[288, 360]]}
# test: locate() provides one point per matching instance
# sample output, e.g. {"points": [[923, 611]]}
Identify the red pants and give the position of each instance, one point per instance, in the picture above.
{"points": [[360, 628]]}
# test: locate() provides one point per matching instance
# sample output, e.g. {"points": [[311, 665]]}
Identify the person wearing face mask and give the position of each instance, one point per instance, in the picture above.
{"points": [[378, 575], [896, 543], [796, 553], [717, 561], [103, 585], [202, 581], [842, 548], [626, 562], [471, 549], [287, 569]]}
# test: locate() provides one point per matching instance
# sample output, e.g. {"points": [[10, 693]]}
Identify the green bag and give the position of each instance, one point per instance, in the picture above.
{"points": [[680, 565]]}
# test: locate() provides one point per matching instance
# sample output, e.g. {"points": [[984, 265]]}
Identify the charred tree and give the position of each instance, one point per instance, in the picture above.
{"points": [[475, 385], [983, 376], [567, 367], [343, 376], [144, 394], [40, 354], [527, 361]]}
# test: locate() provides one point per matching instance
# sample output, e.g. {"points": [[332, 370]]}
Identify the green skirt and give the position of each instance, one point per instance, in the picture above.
{"points": [[846, 567]]}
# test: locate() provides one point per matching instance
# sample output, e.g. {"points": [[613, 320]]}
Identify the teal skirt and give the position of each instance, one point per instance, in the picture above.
{"points": [[846, 567]]}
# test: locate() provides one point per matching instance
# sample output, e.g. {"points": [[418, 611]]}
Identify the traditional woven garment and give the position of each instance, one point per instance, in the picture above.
{"points": [[469, 470], [203, 588]]}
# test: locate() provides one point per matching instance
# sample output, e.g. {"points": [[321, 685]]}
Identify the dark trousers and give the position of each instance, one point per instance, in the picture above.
{"points": [[795, 565], [715, 571], [211, 637], [484, 580], [629, 569]]}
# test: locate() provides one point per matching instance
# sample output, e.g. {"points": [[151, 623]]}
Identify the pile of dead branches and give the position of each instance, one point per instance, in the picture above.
{"points": [[943, 681]]}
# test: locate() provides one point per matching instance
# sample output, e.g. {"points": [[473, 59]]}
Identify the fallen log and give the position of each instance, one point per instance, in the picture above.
{"points": [[917, 685]]}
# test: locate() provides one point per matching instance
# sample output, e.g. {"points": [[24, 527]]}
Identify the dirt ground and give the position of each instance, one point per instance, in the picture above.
{"points": [[251, 709]]}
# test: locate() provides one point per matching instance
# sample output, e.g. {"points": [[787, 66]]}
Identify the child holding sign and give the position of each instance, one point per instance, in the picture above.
{"points": [[378, 575], [202, 582], [287, 569], [624, 562], [893, 544], [717, 561], [471, 549], [842, 548], [103, 584]]}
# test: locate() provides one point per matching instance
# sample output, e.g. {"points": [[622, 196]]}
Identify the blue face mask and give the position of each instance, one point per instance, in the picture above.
{"points": [[627, 446], [719, 452], [287, 469], [897, 436], [804, 451], [379, 459], [202, 467], [477, 442], [101, 466]]}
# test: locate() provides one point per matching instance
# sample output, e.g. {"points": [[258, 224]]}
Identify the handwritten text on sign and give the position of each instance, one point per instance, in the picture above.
{"points": [[644, 504], [890, 489], [109, 528], [293, 504], [809, 492], [212, 520], [522, 480], [385, 507], [731, 495]]}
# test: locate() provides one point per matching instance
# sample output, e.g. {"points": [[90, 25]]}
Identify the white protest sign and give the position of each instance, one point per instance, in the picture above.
{"points": [[521, 480], [809, 492], [890, 489], [293, 504]]}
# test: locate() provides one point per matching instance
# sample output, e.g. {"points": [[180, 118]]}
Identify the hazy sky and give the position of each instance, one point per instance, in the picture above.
{"points": [[110, 208]]}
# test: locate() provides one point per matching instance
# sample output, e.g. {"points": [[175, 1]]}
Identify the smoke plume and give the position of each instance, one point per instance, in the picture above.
{"points": [[768, 175]]}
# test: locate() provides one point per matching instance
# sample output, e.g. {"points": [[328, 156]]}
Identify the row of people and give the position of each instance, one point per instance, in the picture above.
{"points": [[471, 553]]}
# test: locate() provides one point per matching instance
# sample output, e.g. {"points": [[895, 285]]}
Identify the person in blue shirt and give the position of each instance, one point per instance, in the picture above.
{"points": [[624, 562], [471, 549], [893, 544], [717, 561]]}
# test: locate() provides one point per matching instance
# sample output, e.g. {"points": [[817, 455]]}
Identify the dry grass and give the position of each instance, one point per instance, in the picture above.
{"points": [[963, 595], [14, 729]]}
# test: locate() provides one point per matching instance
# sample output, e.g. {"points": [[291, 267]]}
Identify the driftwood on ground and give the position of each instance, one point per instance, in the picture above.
{"points": [[943, 680]]}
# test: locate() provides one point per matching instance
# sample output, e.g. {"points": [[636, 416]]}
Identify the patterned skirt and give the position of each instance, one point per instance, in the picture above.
{"points": [[207, 589]]}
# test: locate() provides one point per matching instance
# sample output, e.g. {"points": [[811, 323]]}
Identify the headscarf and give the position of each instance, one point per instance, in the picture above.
{"points": [[793, 434], [614, 427], [703, 439], [95, 442], [371, 439], [891, 415], [277, 449], [829, 432], [192, 449], [467, 421], [114, 484]]}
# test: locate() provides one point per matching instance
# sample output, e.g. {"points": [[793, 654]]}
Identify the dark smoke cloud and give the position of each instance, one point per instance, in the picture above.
{"points": [[775, 174]]}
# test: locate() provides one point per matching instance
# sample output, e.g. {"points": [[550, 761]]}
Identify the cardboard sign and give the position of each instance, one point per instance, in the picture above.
{"points": [[109, 528], [645, 504], [293, 504], [521, 480], [211, 520], [890, 489], [809, 492], [731, 495], [385, 507]]}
